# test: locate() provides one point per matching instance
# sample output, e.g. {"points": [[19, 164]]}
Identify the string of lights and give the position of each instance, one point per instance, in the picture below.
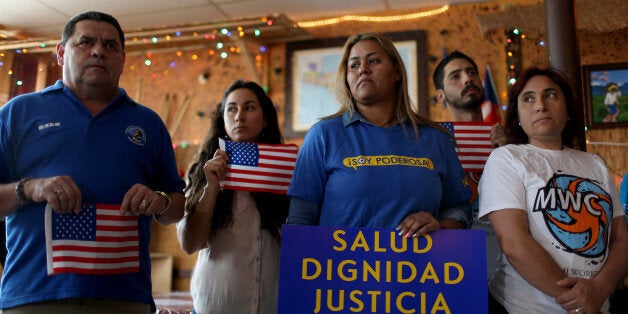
{"points": [[213, 37], [373, 19], [135, 41], [514, 38]]}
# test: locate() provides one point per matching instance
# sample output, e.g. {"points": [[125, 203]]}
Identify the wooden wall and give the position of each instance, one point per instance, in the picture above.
{"points": [[172, 87]]}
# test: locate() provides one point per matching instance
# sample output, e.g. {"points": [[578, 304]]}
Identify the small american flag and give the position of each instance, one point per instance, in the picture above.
{"points": [[259, 167], [98, 240], [474, 143]]}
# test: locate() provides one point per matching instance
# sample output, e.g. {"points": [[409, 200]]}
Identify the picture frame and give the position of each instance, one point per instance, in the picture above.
{"points": [[606, 95], [311, 71]]}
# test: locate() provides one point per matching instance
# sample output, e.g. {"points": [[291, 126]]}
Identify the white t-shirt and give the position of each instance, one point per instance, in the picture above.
{"points": [[566, 193], [611, 98], [239, 272]]}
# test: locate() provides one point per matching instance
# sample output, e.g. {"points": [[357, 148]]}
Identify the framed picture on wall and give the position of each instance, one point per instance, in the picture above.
{"points": [[311, 73], [606, 95]]}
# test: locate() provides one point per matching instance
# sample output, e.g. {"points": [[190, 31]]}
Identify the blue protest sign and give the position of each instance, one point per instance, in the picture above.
{"points": [[374, 270]]}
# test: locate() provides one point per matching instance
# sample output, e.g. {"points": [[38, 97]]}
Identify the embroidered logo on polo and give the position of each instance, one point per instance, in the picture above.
{"points": [[136, 135], [49, 125], [387, 160], [577, 212]]}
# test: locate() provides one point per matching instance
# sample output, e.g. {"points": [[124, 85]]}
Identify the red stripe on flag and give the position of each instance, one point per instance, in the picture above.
{"points": [[83, 271], [473, 154], [261, 173], [117, 239], [116, 228], [258, 181], [101, 260], [273, 166], [257, 189], [97, 249]]}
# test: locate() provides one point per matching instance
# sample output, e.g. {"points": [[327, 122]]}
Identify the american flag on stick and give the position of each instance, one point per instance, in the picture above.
{"points": [[473, 140], [259, 167], [99, 240]]}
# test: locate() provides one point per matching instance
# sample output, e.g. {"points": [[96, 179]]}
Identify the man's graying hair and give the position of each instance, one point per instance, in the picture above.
{"points": [[68, 30]]}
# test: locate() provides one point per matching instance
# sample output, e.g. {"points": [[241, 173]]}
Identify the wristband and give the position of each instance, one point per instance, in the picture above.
{"points": [[19, 192], [168, 202]]}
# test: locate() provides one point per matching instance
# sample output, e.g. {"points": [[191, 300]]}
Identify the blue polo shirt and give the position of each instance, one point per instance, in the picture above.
{"points": [[50, 133]]}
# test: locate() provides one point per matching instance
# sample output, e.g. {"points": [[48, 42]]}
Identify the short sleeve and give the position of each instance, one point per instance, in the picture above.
{"points": [[309, 175], [501, 185]]}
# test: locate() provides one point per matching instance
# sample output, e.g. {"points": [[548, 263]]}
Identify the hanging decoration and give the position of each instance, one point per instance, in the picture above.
{"points": [[163, 38], [514, 38], [513, 55], [222, 40], [374, 19], [183, 144]]}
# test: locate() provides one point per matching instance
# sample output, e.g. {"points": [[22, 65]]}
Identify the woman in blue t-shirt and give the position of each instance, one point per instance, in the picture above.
{"points": [[377, 162]]}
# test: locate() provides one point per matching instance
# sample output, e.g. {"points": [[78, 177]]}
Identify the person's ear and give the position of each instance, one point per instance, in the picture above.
{"points": [[440, 96], [60, 53]]}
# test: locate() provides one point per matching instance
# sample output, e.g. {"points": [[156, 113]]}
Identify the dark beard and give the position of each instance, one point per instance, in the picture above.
{"points": [[472, 104]]}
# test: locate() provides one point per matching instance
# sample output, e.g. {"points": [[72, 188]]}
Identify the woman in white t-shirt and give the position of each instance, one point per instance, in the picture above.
{"points": [[554, 209], [236, 233]]}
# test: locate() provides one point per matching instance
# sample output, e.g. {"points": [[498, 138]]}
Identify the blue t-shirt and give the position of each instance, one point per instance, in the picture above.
{"points": [[50, 133], [362, 175]]}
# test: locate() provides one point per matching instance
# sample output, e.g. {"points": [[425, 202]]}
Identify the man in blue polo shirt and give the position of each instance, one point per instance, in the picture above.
{"points": [[83, 171]]}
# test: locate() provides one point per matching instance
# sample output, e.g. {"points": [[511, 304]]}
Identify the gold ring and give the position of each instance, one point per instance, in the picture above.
{"points": [[143, 204], [58, 192]]}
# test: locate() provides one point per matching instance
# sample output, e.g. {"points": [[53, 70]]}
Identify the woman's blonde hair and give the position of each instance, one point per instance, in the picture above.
{"points": [[404, 108]]}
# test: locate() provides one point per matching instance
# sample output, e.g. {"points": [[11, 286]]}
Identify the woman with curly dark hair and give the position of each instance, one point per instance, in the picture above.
{"points": [[554, 209], [236, 232]]}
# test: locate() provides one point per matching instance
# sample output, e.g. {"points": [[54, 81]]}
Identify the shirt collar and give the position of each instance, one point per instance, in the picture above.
{"points": [[121, 97], [348, 118]]}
